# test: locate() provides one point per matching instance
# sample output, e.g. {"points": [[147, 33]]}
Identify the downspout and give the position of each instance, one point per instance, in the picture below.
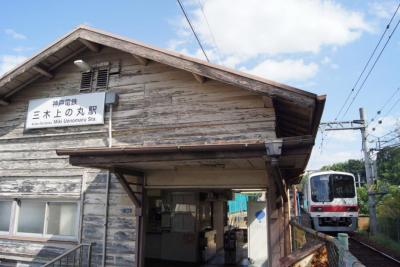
{"points": [[106, 217], [110, 128], [107, 191]]}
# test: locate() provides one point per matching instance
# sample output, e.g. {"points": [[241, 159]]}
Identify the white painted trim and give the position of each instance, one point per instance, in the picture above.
{"points": [[14, 219]]}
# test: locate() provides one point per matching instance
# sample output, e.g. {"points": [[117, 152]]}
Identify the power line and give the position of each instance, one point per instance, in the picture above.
{"points": [[211, 32], [393, 106], [367, 63], [388, 133], [191, 27], [372, 68], [379, 112]]}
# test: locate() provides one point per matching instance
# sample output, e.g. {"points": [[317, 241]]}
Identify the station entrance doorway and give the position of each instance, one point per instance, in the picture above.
{"points": [[205, 227]]}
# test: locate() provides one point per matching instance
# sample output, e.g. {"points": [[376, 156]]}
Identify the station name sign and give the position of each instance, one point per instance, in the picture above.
{"points": [[75, 110]]}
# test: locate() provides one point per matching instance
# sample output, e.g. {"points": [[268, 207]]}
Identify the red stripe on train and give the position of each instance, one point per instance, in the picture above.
{"points": [[334, 208]]}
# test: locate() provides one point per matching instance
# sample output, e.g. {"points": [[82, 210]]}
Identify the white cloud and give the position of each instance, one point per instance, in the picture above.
{"points": [[340, 146], [7, 62], [319, 160], [253, 27], [387, 125], [14, 34], [382, 9], [285, 70], [326, 60], [22, 49], [335, 147]]}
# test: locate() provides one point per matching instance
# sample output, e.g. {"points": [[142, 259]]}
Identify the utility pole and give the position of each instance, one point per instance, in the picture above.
{"points": [[370, 176], [368, 164]]}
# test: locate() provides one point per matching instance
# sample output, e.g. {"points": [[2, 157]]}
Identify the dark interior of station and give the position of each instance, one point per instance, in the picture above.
{"points": [[197, 227]]}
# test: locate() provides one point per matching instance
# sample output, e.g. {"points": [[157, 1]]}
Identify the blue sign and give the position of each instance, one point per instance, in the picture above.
{"points": [[260, 215]]}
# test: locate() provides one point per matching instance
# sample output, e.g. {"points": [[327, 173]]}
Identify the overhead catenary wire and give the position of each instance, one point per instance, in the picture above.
{"points": [[372, 68], [367, 63], [379, 112], [392, 131], [386, 115], [191, 27], [210, 30], [392, 107]]}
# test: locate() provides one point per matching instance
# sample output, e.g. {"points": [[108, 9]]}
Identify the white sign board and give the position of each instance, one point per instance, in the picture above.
{"points": [[75, 110], [257, 233]]}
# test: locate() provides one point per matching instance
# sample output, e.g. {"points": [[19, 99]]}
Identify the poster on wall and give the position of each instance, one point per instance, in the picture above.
{"points": [[75, 110]]}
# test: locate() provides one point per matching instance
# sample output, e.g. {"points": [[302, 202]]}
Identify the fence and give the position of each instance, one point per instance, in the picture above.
{"points": [[78, 256], [337, 254], [390, 227]]}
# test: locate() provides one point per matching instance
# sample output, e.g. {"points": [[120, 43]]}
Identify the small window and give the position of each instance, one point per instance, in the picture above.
{"points": [[86, 81], [62, 219], [31, 217], [47, 219], [5, 215], [96, 79], [102, 78]]}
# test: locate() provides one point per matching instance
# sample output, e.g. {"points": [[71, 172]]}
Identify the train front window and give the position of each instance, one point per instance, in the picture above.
{"points": [[342, 186], [320, 191]]}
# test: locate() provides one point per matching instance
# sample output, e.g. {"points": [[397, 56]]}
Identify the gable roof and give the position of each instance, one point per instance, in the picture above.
{"points": [[298, 112]]}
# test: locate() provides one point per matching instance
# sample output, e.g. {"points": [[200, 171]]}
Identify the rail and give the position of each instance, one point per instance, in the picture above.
{"points": [[80, 256], [336, 254], [371, 255]]}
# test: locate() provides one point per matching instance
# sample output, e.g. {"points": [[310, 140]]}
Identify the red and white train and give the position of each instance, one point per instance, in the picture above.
{"points": [[330, 200]]}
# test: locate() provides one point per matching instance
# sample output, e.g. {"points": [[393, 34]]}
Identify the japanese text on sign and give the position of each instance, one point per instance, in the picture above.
{"points": [[84, 109]]}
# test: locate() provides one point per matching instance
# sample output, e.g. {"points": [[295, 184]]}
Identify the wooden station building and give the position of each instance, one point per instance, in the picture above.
{"points": [[136, 149]]}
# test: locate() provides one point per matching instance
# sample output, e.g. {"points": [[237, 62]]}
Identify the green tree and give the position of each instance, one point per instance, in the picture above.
{"points": [[362, 197], [353, 166], [389, 204], [388, 162]]}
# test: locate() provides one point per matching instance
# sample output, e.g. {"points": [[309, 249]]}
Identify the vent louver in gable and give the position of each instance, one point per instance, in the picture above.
{"points": [[102, 78], [86, 81]]}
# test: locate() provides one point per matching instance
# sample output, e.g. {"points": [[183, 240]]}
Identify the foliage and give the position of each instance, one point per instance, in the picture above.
{"points": [[362, 194], [388, 162], [389, 205], [353, 166], [382, 240]]}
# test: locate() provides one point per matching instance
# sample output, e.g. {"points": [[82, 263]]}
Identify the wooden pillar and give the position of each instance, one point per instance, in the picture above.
{"points": [[286, 225], [218, 223], [278, 218]]}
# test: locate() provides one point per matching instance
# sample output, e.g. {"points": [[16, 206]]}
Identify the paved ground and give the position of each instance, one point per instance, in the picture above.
{"points": [[217, 261]]}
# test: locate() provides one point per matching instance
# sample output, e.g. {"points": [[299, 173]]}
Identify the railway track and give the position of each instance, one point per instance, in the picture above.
{"points": [[369, 256]]}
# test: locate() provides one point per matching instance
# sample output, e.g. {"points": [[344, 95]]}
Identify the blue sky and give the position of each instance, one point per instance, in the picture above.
{"points": [[319, 46]]}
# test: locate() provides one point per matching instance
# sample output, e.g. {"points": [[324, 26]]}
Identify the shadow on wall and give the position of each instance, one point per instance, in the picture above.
{"points": [[121, 221]]}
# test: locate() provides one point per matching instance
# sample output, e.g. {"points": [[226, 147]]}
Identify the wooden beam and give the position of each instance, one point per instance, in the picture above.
{"points": [[128, 171], [274, 172], [199, 78], [62, 61], [268, 103], [121, 179], [229, 76], [92, 46], [43, 72], [142, 61], [301, 255], [3, 102], [166, 158]]}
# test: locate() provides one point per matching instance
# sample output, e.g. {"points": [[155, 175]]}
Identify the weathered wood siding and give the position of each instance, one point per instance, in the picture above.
{"points": [[158, 105]]}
